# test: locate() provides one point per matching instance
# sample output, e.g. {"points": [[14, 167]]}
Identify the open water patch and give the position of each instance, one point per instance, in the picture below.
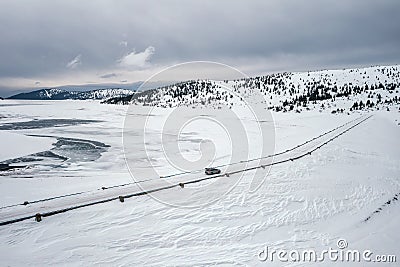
{"points": [[44, 123]]}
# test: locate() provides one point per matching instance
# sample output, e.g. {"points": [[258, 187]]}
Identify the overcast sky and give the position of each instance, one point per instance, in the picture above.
{"points": [[50, 43]]}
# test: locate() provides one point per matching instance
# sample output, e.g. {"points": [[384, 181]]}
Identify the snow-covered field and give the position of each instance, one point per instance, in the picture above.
{"points": [[309, 203]]}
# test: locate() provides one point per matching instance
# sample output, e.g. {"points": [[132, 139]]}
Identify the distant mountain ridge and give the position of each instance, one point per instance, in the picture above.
{"points": [[60, 94]]}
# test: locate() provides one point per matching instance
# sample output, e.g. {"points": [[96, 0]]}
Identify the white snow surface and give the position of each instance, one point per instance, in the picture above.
{"points": [[14, 145], [308, 203]]}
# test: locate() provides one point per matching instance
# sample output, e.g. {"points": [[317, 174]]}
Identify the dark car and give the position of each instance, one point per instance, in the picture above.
{"points": [[212, 171]]}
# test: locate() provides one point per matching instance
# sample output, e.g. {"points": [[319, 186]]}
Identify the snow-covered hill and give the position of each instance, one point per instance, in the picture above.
{"points": [[337, 90], [59, 94]]}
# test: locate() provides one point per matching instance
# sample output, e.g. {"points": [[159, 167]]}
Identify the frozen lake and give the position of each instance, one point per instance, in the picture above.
{"points": [[77, 146]]}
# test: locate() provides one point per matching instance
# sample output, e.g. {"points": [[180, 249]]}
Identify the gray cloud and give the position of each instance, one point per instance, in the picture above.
{"points": [[75, 62], [38, 38], [108, 75]]}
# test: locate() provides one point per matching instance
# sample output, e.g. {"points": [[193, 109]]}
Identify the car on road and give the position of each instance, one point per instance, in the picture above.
{"points": [[212, 171]]}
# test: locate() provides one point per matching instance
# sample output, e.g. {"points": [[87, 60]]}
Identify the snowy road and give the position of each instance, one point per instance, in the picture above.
{"points": [[59, 204]]}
